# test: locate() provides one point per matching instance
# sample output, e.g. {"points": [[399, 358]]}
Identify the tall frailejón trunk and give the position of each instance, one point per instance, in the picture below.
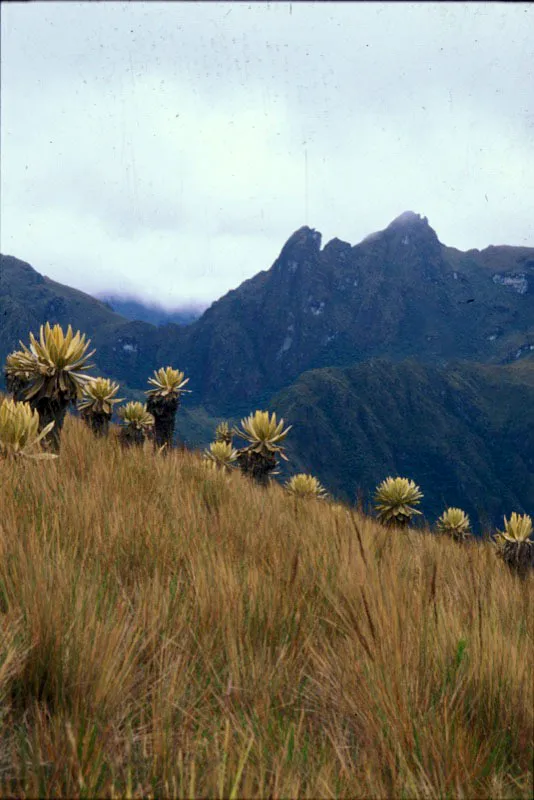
{"points": [[519, 556], [98, 422], [51, 409], [164, 411], [131, 437], [256, 465], [15, 386]]}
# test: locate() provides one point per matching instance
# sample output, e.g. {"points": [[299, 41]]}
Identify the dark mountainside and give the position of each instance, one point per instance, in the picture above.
{"points": [[399, 294]]}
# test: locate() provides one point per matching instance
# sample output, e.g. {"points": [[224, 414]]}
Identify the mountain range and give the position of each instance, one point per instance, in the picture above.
{"points": [[397, 355]]}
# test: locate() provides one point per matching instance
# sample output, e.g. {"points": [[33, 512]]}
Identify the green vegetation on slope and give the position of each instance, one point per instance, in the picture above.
{"points": [[464, 434]]}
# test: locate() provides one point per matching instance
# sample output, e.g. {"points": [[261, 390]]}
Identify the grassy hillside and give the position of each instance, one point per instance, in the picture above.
{"points": [[464, 433], [169, 631]]}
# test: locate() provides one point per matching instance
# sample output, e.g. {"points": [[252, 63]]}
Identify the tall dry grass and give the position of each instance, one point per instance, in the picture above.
{"points": [[169, 631]]}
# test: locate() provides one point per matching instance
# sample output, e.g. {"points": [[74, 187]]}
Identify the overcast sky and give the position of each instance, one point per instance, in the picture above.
{"points": [[168, 150]]}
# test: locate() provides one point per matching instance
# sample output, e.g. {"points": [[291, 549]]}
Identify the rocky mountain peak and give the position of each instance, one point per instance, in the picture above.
{"points": [[409, 219], [337, 246], [304, 242], [411, 228]]}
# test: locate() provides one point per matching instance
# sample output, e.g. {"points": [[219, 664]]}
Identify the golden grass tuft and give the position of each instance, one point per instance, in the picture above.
{"points": [[171, 631]]}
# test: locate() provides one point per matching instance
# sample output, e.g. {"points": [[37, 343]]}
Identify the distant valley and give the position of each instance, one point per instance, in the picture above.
{"points": [[136, 310]]}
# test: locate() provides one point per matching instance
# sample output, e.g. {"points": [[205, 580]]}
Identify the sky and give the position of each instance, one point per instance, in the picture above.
{"points": [[167, 151]]}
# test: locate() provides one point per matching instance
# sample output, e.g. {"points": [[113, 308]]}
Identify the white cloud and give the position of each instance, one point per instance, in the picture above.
{"points": [[162, 148]]}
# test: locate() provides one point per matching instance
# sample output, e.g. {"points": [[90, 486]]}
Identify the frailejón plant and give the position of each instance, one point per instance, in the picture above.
{"points": [[308, 486], [455, 523], [395, 499], [19, 431], [49, 374], [96, 406], [264, 435], [16, 379], [136, 423], [514, 544], [223, 433], [163, 401], [221, 455]]}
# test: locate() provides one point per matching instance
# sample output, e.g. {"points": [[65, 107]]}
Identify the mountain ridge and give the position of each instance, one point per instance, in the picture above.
{"points": [[401, 294], [398, 294]]}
